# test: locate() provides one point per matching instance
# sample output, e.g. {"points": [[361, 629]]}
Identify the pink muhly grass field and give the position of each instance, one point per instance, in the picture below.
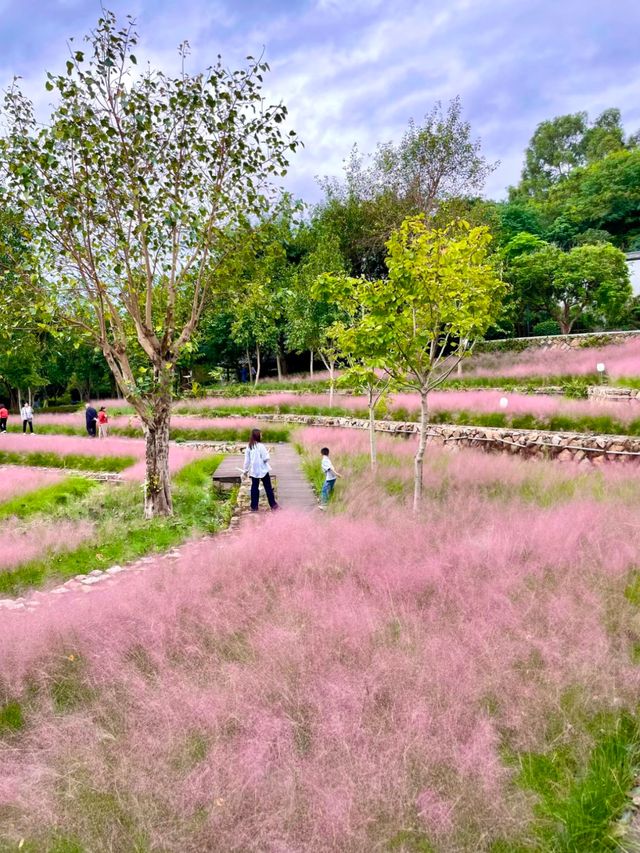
{"points": [[538, 405], [177, 421], [483, 401], [620, 360], [282, 398], [15, 480], [71, 445], [21, 543], [323, 682]]}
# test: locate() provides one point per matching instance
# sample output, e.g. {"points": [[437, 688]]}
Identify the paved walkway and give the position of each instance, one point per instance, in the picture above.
{"points": [[294, 490]]}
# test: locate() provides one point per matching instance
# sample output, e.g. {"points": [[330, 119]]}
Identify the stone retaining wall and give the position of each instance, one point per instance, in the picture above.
{"points": [[559, 342], [577, 447], [611, 392]]}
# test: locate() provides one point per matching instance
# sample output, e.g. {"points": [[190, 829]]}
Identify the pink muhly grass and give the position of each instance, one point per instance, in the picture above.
{"points": [[313, 683], [64, 445], [538, 405], [274, 400], [15, 480], [620, 360], [482, 401], [21, 543], [177, 421]]}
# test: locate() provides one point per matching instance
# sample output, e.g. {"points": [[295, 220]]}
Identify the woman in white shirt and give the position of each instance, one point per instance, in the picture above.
{"points": [[26, 413], [256, 465]]}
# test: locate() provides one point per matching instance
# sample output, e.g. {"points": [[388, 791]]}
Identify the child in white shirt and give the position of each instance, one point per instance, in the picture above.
{"points": [[330, 478]]}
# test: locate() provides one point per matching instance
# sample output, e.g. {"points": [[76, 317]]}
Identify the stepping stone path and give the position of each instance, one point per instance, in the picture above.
{"points": [[293, 491]]}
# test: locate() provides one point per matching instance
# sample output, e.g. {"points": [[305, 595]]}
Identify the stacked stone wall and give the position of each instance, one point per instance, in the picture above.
{"points": [[576, 447], [557, 342]]}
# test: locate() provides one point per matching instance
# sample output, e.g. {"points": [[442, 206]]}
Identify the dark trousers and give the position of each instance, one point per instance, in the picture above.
{"points": [[3, 424], [255, 492], [91, 429], [26, 424]]}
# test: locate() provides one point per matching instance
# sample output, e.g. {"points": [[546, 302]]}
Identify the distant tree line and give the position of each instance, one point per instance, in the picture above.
{"points": [[559, 241]]}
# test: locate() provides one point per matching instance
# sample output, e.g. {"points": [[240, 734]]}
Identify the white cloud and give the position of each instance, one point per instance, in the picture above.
{"points": [[356, 71]]}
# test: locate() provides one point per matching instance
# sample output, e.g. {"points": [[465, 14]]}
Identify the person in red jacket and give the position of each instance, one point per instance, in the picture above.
{"points": [[4, 414], [103, 421]]}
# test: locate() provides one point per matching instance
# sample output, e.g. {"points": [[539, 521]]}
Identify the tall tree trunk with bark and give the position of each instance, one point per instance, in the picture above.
{"points": [[157, 421], [279, 363], [418, 462], [157, 493], [311, 364]]}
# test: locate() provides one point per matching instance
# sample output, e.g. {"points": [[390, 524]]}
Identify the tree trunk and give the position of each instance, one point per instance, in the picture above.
{"points": [[564, 321], [258, 365], [311, 364], [157, 492], [332, 381], [418, 461], [279, 364], [372, 434]]}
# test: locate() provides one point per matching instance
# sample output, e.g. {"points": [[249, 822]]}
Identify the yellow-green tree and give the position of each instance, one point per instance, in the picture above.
{"points": [[442, 293]]}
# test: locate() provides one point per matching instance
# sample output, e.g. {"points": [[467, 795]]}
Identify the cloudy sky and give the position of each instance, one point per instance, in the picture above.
{"points": [[357, 70]]}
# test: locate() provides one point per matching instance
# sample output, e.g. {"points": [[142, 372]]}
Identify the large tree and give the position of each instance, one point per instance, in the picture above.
{"points": [[589, 279], [435, 163], [310, 315], [561, 144], [133, 190]]}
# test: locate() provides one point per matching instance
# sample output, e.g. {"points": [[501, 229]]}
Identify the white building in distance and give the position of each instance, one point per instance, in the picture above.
{"points": [[633, 260]]}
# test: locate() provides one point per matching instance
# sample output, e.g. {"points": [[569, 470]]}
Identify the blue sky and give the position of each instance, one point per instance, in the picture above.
{"points": [[357, 70]]}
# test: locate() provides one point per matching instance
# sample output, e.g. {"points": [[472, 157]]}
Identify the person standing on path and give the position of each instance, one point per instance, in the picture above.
{"points": [[4, 414], [26, 413], [330, 478], [256, 465], [103, 423], [91, 418]]}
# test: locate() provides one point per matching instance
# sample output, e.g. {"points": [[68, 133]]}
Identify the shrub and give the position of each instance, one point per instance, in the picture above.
{"points": [[546, 328]]}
